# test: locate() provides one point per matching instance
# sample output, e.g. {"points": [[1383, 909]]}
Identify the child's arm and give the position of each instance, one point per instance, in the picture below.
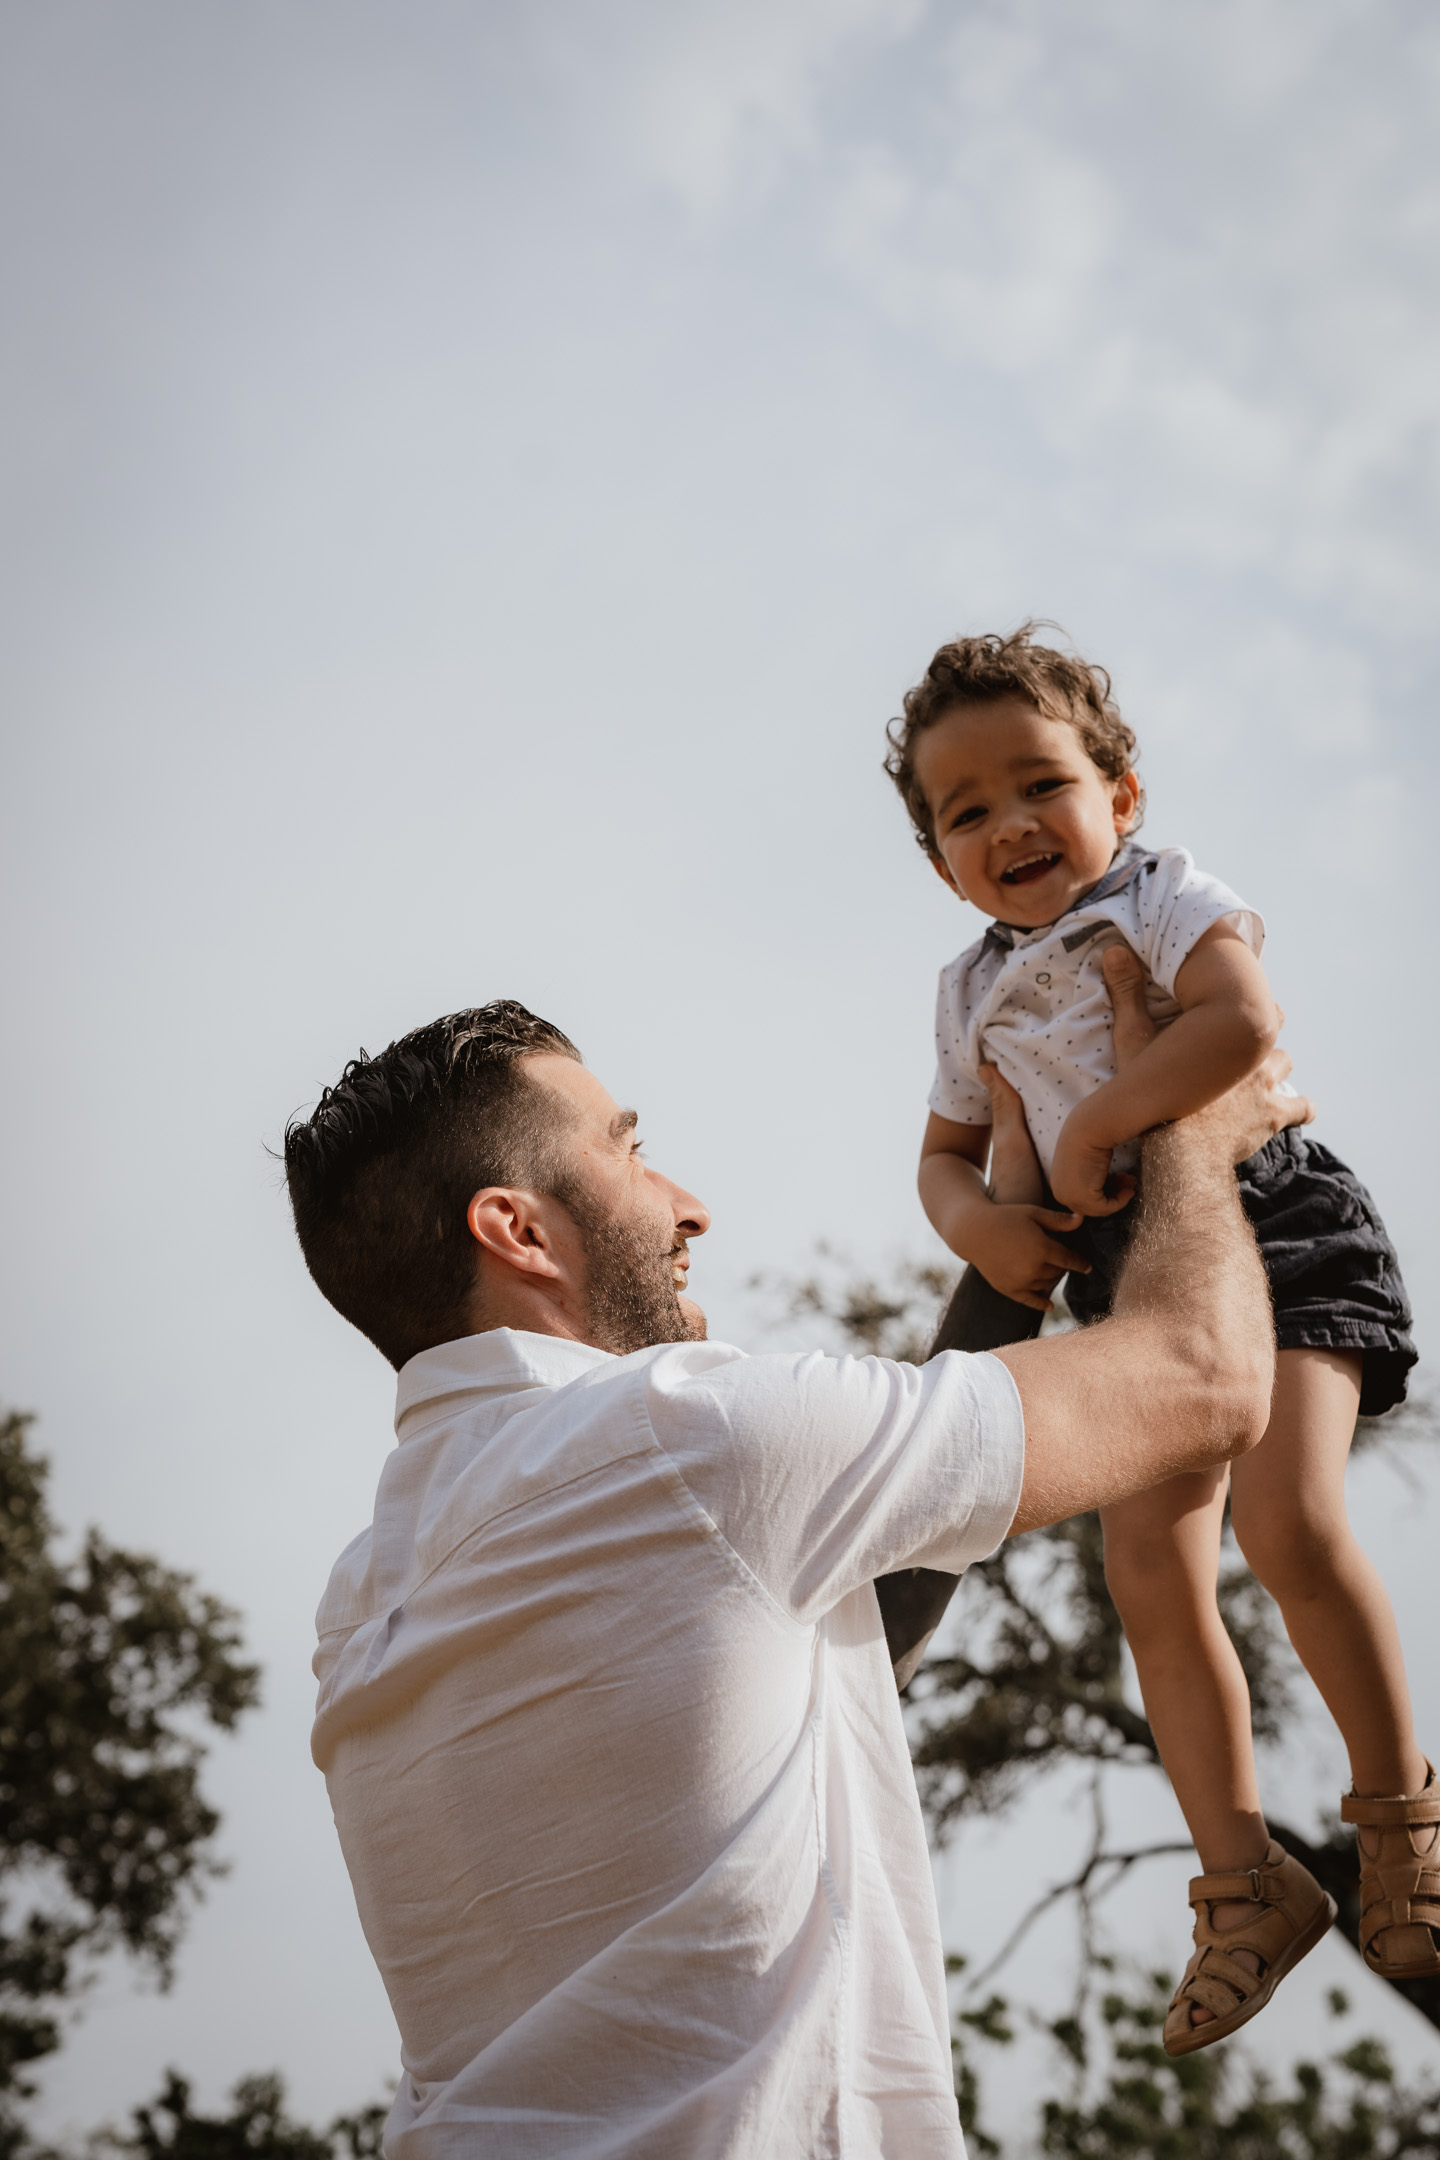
{"points": [[1002, 1230], [1228, 1025]]}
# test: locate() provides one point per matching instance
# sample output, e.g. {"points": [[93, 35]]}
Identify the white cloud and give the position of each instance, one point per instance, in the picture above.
{"points": [[717, 103], [1200, 243]]}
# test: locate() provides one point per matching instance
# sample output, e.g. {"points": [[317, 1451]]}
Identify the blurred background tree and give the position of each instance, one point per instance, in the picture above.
{"points": [[1039, 1682], [107, 1661]]}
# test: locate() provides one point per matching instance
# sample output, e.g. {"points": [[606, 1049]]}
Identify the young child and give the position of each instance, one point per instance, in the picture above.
{"points": [[1018, 773]]}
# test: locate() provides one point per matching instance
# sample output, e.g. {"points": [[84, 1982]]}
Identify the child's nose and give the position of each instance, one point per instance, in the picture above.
{"points": [[1018, 820]]}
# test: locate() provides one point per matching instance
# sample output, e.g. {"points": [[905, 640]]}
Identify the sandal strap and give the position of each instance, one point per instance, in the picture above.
{"points": [[1216, 1965], [1403, 1812], [1407, 1900], [1394, 1912], [1211, 1994], [1263, 1885], [1404, 1879]]}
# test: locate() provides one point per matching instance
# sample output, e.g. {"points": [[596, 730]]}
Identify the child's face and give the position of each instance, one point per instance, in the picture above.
{"points": [[1024, 823]]}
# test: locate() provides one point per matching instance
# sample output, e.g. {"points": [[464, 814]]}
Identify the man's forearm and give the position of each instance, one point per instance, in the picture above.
{"points": [[1179, 1377]]}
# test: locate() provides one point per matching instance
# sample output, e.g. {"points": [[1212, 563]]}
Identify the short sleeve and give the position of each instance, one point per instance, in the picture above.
{"points": [[1176, 904], [823, 1473], [957, 1093]]}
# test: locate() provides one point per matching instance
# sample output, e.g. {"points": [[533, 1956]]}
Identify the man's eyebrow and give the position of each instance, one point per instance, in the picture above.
{"points": [[623, 1121]]}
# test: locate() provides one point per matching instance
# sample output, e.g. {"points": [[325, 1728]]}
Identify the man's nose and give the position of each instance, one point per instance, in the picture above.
{"points": [[692, 1217]]}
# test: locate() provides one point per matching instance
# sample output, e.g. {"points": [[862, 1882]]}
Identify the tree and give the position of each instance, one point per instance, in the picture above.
{"points": [[1041, 1682], [1147, 2106], [256, 2128], [104, 1832]]}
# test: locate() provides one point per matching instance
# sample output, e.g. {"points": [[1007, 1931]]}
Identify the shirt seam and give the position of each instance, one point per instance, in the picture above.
{"points": [[712, 1528], [348, 1627]]}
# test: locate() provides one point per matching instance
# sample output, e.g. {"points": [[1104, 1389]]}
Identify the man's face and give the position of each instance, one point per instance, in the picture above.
{"points": [[1024, 822], [634, 1225]]}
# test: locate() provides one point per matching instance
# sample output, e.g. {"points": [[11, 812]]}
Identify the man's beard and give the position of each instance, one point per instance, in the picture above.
{"points": [[631, 1290]]}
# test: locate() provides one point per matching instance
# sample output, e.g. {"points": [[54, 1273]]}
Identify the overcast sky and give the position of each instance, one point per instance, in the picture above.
{"points": [[477, 480]]}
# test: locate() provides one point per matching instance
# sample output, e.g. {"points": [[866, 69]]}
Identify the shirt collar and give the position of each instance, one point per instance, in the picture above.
{"points": [[1002, 937], [502, 1361]]}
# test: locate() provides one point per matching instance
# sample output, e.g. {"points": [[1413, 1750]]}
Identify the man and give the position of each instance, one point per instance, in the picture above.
{"points": [[606, 1708]]}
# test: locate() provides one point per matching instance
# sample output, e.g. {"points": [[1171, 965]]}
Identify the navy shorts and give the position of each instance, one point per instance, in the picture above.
{"points": [[1334, 1276]]}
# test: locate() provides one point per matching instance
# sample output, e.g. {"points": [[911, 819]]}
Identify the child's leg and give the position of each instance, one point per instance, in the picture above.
{"points": [[1288, 1508], [1162, 1557]]}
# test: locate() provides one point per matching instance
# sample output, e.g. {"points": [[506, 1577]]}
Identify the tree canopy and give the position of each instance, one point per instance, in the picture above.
{"points": [[1039, 1681], [108, 1662]]}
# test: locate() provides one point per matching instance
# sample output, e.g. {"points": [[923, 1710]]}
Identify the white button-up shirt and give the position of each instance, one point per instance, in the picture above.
{"points": [[615, 1752]]}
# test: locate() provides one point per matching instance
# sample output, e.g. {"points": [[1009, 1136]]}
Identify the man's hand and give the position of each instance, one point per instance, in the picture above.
{"points": [[1081, 1170], [1253, 1112], [1015, 1173]]}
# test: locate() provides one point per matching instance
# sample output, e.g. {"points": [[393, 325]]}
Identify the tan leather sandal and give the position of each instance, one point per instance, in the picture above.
{"points": [[1399, 1881], [1297, 1913]]}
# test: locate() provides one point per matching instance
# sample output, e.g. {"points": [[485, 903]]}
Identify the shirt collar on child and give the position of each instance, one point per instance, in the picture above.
{"points": [[1002, 937]]}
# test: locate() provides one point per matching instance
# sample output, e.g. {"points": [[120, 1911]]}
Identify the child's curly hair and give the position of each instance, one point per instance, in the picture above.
{"points": [[982, 670]]}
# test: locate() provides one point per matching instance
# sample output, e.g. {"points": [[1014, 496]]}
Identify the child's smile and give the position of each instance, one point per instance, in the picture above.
{"points": [[1024, 823]]}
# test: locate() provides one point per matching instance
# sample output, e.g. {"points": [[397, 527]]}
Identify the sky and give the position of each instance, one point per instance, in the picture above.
{"points": [[477, 480]]}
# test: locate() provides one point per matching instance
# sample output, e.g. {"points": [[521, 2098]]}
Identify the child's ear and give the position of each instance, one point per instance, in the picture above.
{"points": [[942, 870], [1126, 801]]}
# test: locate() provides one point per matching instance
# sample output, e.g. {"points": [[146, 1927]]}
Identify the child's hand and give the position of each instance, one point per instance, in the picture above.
{"points": [[1080, 1175], [1017, 1253], [1015, 1173]]}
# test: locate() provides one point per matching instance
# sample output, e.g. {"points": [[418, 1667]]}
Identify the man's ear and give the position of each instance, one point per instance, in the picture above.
{"points": [[1126, 801], [507, 1222]]}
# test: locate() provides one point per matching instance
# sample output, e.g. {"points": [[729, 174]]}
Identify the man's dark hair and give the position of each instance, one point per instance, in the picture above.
{"points": [[981, 671], [382, 1171]]}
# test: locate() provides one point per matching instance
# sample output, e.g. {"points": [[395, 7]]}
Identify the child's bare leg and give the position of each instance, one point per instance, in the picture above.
{"points": [[1162, 1556], [1288, 1508]]}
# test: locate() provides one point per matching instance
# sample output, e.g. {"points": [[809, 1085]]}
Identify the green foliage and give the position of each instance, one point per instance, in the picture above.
{"points": [[1197, 2108], [102, 1821], [256, 2128], [1141, 2105], [1042, 1682]]}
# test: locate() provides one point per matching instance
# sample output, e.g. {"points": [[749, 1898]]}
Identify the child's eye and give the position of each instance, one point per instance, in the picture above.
{"points": [[967, 817], [1044, 787]]}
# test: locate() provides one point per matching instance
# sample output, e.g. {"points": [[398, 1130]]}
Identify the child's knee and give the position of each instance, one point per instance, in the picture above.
{"points": [[1288, 1551]]}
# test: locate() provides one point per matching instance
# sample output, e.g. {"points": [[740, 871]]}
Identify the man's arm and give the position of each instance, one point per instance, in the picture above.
{"points": [[1179, 1377], [1228, 1024]]}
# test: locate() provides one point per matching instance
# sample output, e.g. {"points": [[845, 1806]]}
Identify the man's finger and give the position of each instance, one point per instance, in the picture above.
{"points": [[995, 1084], [1125, 982], [1057, 1218]]}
